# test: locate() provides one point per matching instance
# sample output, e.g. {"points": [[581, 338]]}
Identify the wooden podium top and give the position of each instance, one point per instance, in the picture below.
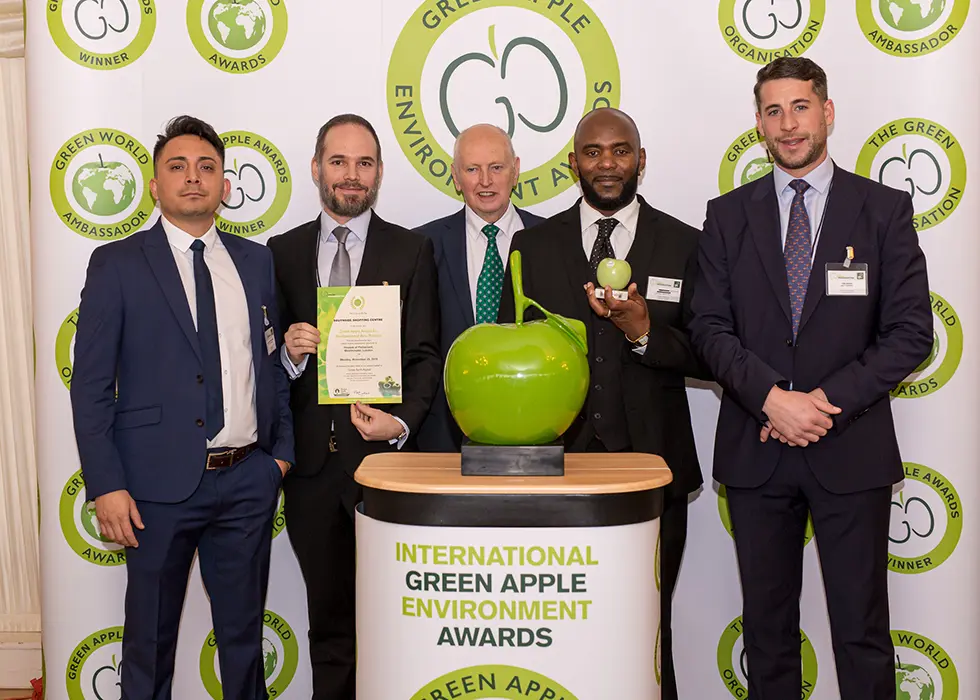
{"points": [[439, 473]]}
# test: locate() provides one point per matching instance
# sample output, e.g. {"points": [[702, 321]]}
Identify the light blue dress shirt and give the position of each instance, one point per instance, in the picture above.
{"points": [[814, 199]]}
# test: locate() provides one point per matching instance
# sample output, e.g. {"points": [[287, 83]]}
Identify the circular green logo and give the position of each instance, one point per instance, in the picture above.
{"points": [[81, 528], [745, 160], [279, 521], [911, 27], [943, 360], [534, 54], [924, 159], [64, 347], [760, 31], [498, 682], [926, 522], [726, 517], [100, 184], [94, 668], [734, 669], [280, 657], [923, 669], [237, 36], [261, 184], [102, 34]]}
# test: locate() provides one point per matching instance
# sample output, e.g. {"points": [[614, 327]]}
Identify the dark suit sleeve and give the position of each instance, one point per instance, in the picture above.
{"points": [[284, 447], [904, 334], [421, 361], [670, 348], [741, 373], [93, 386]]}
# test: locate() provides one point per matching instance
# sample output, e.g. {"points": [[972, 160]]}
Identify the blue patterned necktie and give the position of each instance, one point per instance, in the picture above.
{"points": [[798, 252], [491, 281], [207, 334]]}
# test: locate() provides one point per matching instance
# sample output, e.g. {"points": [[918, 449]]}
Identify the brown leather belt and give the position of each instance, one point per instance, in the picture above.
{"points": [[222, 458]]}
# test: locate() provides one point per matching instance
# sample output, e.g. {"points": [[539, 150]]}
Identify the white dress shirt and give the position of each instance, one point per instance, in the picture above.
{"points": [[476, 243], [814, 199], [234, 331], [622, 236]]}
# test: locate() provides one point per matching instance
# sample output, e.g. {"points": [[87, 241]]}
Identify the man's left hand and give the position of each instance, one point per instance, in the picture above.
{"points": [[374, 424], [632, 316]]}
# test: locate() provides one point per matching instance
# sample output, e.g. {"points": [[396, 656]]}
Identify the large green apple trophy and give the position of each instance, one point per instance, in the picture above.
{"points": [[518, 383]]}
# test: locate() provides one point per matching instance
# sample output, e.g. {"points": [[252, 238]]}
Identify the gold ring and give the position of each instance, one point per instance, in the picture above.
{"points": [[608, 313]]}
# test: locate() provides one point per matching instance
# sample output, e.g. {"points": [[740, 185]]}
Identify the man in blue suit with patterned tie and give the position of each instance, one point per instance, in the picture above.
{"points": [[181, 413], [471, 248]]}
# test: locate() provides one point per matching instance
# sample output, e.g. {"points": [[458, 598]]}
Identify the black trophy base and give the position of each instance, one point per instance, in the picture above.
{"points": [[479, 459]]}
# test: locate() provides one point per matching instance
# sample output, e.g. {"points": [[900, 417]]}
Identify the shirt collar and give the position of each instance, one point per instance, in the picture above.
{"points": [[181, 240], [819, 178], [626, 216], [358, 226], [506, 223]]}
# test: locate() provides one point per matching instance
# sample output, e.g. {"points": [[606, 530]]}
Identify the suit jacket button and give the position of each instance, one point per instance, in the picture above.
{"points": [[200, 379], [599, 359], [199, 423], [789, 342]]}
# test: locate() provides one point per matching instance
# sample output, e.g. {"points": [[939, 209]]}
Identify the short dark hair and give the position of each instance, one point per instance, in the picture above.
{"points": [[796, 67], [340, 120], [185, 125]]}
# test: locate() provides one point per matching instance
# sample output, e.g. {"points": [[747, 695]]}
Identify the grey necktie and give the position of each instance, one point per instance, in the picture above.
{"points": [[340, 268]]}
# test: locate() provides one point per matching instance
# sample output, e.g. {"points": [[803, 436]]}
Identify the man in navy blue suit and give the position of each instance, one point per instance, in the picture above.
{"points": [[181, 413], [471, 248]]}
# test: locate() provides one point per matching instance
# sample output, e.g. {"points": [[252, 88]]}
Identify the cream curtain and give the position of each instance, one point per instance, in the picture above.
{"points": [[20, 600]]}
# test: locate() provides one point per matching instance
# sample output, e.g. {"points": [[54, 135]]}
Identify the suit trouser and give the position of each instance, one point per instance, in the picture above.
{"points": [[851, 533], [322, 534], [228, 521]]}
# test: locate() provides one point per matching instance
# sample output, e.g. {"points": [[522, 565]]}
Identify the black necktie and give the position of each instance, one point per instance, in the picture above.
{"points": [[207, 335], [602, 248]]}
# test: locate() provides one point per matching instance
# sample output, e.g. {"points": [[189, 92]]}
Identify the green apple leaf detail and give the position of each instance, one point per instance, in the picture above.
{"points": [[573, 328]]}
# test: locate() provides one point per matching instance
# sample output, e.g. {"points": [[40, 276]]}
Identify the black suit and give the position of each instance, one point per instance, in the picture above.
{"points": [[320, 491], [856, 349], [640, 400], [440, 433]]}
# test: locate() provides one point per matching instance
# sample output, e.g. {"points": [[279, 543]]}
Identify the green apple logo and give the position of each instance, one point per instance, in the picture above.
{"points": [[238, 25], [106, 683], [913, 682], [90, 523], [255, 183], [483, 58], [270, 658], [614, 273], [518, 383], [920, 507], [86, 18], [906, 160], [910, 15], [776, 23], [104, 189], [933, 354], [754, 169]]}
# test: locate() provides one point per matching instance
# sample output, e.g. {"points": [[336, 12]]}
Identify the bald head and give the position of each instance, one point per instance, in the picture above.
{"points": [[606, 119], [485, 170], [607, 159]]}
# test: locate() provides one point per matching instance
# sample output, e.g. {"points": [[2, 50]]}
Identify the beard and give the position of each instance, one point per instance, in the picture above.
{"points": [[348, 205], [612, 203], [818, 144]]}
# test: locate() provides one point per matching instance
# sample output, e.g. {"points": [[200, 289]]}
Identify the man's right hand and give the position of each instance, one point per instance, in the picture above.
{"points": [[800, 418], [301, 340], [117, 513]]}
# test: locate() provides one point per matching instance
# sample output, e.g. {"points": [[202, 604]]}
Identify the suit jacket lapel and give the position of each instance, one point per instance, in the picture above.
{"points": [[644, 240], [156, 247], [253, 297], [762, 212], [576, 264], [842, 208], [372, 263], [454, 248]]}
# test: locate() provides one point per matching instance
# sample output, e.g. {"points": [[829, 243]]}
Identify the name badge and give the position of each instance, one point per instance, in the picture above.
{"points": [[664, 289], [270, 340], [847, 280]]}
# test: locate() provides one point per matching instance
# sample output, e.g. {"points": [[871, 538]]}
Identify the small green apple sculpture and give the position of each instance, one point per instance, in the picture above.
{"points": [[518, 383]]}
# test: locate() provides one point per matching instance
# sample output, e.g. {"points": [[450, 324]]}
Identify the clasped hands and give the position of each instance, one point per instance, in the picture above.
{"points": [[373, 424], [795, 418], [632, 316]]}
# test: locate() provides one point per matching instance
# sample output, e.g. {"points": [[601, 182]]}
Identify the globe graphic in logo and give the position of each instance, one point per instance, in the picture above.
{"points": [[913, 683], [90, 523], [933, 354], [237, 25], [104, 189], [757, 167], [270, 658], [911, 15]]}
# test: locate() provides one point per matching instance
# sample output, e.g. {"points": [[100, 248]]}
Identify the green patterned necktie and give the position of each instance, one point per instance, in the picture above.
{"points": [[491, 279]]}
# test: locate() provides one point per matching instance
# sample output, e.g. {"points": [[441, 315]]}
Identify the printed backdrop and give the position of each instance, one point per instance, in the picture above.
{"points": [[105, 75]]}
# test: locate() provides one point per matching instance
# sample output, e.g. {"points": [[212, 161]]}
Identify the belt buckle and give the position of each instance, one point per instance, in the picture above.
{"points": [[219, 455], [332, 445]]}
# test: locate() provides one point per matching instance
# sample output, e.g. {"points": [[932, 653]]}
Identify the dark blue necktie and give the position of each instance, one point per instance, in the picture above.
{"points": [[797, 252], [207, 335]]}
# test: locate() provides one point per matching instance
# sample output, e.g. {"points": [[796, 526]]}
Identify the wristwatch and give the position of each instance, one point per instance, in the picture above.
{"points": [[641, 341]]}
